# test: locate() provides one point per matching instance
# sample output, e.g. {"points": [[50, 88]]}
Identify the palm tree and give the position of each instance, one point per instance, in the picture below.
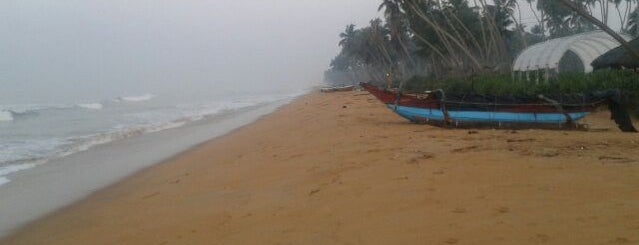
{"points": [[348, 36], [448, 40], [633, 23], [396, 23]]}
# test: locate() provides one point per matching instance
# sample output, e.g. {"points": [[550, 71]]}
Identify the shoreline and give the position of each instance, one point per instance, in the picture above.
{"points": [[341, 168], [39, 178]]}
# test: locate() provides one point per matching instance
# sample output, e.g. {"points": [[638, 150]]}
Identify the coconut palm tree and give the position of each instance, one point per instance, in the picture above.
{"points": [[397, 25], [633, 23]]}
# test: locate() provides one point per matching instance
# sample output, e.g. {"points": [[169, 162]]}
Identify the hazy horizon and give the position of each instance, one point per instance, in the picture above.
{"points": [[89, 49]]}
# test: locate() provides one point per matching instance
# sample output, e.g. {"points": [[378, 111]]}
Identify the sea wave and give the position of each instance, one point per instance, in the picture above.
{"points": [[136, 98], [87, 142], [14, 112], [146, 122], [17, 153], [6, 170], [91, 106], [6, 116]]}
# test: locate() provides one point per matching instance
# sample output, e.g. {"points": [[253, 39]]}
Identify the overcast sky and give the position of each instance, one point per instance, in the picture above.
{"points": [[105, 47], [115, 46]]}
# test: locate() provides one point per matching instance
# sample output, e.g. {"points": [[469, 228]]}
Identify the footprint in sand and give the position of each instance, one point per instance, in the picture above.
{"points": [[519, 140], [413, 161], [609, 159], [503, 210], [313, 192], [459, 210], [547, 152], [295, 156], [621, 240], [150, 195], [465, 149], [542, 237], [452, 241], [439, 172], [416, 160]]}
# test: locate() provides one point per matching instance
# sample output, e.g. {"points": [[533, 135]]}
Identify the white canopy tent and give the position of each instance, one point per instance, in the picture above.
{"points": [[547, 55]]}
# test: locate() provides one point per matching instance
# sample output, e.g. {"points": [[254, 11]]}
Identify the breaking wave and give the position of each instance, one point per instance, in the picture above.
{"points": [[11, 115], [91, 106], [21, 154], [14, 112], [6, 116], [136, 98], [6, 170]]}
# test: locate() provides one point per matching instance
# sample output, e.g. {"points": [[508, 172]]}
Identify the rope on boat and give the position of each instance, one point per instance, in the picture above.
{"points": [[442, 99], [569, 120], [526, 104], [613, 98]]}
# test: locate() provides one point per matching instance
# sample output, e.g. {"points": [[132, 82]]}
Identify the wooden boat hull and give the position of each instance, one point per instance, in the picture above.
{"points": [[436, 116], [337, 89], [477, 111], [431, 110]]}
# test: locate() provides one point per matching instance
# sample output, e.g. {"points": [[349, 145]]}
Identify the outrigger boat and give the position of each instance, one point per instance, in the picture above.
{"points": [[441, 109], [337, 89]]}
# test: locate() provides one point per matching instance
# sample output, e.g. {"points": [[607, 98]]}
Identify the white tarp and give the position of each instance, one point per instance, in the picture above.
{"points": [[546, 55]]}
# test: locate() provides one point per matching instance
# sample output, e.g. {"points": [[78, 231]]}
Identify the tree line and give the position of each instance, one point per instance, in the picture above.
{"points": [[442, 39]]}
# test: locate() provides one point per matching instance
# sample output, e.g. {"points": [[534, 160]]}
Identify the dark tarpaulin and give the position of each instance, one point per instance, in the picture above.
{"points": [[617, 58]]}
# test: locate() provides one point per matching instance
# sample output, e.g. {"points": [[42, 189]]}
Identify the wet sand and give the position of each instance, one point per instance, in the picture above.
{"points": [[342, 169], [60, 182]]}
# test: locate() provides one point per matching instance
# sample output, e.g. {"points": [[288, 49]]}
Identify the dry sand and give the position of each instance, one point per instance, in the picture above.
{"points": [[341, 169]]}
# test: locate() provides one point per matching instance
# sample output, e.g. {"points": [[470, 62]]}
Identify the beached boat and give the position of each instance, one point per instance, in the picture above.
{"points": [[441, 109], [337, 89]]}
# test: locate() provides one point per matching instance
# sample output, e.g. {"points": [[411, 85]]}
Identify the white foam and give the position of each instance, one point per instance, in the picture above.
{"points": [[13, 112], [21, 151], [87, 142], [126, 131], [136, 98], [4, 171], [138, 123], [6, 116], [158, 128], [91, 106]]}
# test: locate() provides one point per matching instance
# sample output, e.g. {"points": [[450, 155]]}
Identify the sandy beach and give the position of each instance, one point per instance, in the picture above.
{"points": [[342, 169]]}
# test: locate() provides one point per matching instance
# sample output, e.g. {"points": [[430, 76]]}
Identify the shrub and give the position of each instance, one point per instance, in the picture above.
{"points": [[501, 85]]}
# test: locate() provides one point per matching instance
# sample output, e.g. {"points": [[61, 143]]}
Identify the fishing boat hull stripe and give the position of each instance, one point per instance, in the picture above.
{"points": [[420, 114]]}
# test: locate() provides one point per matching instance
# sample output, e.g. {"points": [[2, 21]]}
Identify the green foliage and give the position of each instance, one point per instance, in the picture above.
{"points": [[503, 85]]}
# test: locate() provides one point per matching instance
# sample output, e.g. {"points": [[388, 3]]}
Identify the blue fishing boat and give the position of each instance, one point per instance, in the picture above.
{"points": [[437, 108]]}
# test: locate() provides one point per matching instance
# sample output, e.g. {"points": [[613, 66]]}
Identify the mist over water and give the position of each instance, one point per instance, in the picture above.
{"points": [[78, 50], [78, 73]]}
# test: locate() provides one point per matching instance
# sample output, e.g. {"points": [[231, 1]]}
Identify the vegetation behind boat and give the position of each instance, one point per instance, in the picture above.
{"points": [[504, 85]]}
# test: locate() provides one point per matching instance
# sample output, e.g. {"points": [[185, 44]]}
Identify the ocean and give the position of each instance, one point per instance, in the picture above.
{"points": [[93, 91], [32, 134]]}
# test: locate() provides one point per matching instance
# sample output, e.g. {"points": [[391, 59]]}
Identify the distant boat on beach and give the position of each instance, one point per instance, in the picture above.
{"points": [[441, 109], [337, 89]]}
